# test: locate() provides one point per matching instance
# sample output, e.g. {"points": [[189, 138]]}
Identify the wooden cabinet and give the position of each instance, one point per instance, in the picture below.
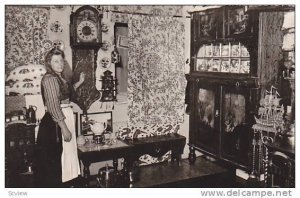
{"points": [[19, 155], [235, 56], [223, 40], [220, 119]]}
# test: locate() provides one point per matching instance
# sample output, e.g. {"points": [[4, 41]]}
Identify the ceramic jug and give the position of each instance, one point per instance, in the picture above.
{"points": [[98, 127]]}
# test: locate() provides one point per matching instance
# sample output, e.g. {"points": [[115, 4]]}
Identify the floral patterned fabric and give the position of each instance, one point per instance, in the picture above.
{"points": [[25, 79], [148, 159], [25, 34], [144, 131], [148, 131], [156, 80]]}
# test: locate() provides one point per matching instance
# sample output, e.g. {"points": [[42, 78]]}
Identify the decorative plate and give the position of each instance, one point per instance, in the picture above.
{"points": [[56, 27], [105, 62], [47, 44], [105, 45], [104, 27], [59, 44]]}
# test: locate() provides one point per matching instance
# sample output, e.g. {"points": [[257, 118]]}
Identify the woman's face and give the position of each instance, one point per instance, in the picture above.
{"points": [[57, 63]]}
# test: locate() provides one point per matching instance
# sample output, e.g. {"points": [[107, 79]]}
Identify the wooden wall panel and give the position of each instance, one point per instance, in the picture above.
{"points": [[270, 44]]}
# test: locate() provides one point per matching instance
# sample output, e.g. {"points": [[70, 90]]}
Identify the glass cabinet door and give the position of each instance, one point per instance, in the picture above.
{"points": [[206, 118], [235, 130]]}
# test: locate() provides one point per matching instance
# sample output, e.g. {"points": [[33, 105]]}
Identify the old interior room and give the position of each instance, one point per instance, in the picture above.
{"points": [[194, 96]]}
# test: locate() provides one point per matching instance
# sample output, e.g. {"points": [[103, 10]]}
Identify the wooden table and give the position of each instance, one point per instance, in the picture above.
{"points": [[91, 153], [130, 150], [157, 146]]}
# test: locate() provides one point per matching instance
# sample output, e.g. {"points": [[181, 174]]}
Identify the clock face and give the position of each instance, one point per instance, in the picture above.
{"points": [[87, 31]]}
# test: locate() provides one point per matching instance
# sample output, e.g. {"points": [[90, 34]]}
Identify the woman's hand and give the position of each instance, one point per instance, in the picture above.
{"points": [[66, 134], [81, 80], [81, 77]]}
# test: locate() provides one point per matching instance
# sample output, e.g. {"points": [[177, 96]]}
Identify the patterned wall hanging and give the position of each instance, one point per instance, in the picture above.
{"points": [[156, 80], [25, 35]]}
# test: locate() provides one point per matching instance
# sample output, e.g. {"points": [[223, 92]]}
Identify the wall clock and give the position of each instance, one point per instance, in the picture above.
{"points": [[86, 31], [85, 40], [85, 27]]}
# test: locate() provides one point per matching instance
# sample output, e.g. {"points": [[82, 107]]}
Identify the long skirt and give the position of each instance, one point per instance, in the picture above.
{"points": [[48, 152], [56, 160]]}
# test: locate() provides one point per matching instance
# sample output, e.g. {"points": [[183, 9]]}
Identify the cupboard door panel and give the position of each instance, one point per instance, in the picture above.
{"points": [[207, 118], [236, 131]]}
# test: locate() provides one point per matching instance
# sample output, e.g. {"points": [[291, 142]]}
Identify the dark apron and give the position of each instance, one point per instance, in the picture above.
{"points": [[48, 154]]}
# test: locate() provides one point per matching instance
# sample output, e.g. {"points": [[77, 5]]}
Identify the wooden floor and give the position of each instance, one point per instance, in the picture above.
{"points": [[203, 173]]}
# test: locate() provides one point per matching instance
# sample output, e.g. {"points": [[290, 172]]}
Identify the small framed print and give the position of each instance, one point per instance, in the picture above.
{"points": [[245, 66], [213, 65], [201, 65], [234, 66], [100, 117], [235, 51], [216, 50], [244, 52], [225, 65], [225, 50], [122, 41]]}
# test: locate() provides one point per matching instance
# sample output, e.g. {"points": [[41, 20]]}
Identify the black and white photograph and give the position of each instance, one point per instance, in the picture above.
{"points": [[194, 96]]}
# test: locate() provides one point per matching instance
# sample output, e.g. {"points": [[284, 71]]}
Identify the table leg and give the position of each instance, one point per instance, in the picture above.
{"points": [[175, 156], [115, 163], [192, 155], [86, 173], [127, 163]]}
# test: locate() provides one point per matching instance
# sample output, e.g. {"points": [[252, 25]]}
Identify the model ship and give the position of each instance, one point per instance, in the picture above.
{"points": [[270, 113]]}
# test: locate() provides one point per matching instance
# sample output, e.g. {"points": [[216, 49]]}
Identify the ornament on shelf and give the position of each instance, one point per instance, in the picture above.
{"points": [[270, 115], [115, 56], [108, 89]]}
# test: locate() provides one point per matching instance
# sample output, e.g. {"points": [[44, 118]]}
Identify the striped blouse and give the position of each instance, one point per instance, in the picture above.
{"points": [[52, 97]]}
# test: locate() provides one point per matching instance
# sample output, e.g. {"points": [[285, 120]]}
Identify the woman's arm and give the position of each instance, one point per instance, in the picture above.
{"points": [[65, 131], [81, 80], [51, 93]]}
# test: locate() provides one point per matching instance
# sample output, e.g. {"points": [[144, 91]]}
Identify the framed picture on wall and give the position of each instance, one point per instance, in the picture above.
{"points": [[122, 41], [88, 120]]}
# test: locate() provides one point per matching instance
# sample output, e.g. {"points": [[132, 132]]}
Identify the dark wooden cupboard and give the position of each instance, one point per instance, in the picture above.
{"points": [[235, 56], [220, 119]]}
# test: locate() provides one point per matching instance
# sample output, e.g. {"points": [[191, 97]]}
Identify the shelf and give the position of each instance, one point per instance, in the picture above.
{"points": [[219, 57], [230, 79], [223, 57]]}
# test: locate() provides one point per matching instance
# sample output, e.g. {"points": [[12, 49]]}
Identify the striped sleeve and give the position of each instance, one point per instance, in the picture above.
{"points": [[52, 93]]}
